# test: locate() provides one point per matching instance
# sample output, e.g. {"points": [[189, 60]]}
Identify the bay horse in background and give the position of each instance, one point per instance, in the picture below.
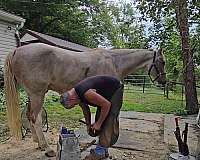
{"points": [[40, 67]]}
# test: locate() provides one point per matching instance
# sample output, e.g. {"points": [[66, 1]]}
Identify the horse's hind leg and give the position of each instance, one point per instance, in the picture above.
{"points": [[42, 142], [28, 114], [34, 116], [36, 105]]}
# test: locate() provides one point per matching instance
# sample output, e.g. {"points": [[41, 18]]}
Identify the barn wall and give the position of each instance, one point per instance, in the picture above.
{"points": [[7, 40]]}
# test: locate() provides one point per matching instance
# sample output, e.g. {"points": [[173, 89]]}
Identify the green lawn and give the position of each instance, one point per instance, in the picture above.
{"points": [[58, 114], [150, 101]]}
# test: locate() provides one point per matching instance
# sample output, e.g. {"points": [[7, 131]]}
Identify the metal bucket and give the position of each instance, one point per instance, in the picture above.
{"points": [[68, 147]]}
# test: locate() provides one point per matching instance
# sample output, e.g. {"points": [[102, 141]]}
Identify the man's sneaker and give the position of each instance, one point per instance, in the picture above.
{"points": [[94, 156]]}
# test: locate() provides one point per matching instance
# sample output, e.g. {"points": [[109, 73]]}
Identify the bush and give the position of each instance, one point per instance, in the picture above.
{"points": [[50, 99], [23, 99]]}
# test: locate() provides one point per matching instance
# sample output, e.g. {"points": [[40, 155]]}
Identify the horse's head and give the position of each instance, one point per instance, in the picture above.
{"points": [[157, 68]]}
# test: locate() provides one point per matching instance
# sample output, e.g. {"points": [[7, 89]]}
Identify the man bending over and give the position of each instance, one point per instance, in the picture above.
{"points": [[105, 93]]}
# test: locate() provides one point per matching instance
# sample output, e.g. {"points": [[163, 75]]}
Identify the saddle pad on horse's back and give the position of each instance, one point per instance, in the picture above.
{"points": [[110, 128]]}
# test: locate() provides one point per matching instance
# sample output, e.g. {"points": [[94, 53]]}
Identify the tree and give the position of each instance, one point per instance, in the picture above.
{"points": [[157, 11], [188, 65], [169, 40], [87, 22], [122, 27], [69, 20]]}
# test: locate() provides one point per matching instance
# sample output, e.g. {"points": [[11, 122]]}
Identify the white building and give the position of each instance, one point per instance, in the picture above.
{"points": [[9, 26]]}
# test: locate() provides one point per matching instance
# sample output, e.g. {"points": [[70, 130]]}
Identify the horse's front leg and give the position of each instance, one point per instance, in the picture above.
{"points": [[36, 104]]}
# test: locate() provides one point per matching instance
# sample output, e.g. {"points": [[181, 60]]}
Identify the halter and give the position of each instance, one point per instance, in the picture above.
{"points": [[156, 68]]}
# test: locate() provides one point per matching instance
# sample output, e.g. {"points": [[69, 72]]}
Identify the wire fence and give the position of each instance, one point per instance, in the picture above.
{"points": [[142, 83], [171, 91]]}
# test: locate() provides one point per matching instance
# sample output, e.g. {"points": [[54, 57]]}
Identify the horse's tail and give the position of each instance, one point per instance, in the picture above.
{"points": [[12, 98]]}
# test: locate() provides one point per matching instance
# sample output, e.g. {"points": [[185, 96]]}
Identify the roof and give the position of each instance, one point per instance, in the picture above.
{"points": [[5, 16], [33, 36]]}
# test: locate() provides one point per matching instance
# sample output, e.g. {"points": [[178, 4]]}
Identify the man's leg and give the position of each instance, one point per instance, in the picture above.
{"points": [[110, 128]]}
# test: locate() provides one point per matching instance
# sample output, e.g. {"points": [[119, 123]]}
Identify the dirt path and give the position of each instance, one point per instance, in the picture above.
{"points": [[141, 138]]}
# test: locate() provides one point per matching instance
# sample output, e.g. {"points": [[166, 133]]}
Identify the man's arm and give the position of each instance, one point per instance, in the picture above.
{"points": [[86, 112], [100, 101]]}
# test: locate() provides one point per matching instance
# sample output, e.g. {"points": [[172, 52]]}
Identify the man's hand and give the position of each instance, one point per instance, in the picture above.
{"points": [[96, 126], [94, 130]]}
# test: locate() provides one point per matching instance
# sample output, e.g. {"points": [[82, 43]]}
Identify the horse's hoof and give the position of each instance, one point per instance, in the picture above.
{"points": [[50, 153]]}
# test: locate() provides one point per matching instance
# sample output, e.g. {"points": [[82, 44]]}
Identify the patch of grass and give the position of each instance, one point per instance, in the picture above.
{"points": [[135, 101], [153, 101], [58, 115]]}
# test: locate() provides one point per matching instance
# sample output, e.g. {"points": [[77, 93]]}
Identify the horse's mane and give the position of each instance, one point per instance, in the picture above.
{"points": [[121, 52]]}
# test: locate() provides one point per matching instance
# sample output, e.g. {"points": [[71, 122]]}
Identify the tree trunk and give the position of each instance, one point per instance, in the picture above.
{"points": [[188, 65]]}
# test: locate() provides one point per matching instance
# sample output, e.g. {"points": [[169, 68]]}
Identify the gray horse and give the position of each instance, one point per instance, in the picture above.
{"points": [[40, 67]]}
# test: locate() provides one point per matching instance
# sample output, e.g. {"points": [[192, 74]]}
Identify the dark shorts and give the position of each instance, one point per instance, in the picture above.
{"points": [[110, 128]]}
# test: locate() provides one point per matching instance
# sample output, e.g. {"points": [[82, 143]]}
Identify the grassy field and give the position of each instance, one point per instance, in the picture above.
{"points": [[152, 100]]}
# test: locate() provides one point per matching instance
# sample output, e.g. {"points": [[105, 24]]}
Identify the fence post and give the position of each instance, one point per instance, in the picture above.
{"points": [[167, 91], [143, 84], [182, 88], [164, 90]]}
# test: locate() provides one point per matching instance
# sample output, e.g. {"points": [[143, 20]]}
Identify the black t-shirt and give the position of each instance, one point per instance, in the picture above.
{"points": [[104, 85]]}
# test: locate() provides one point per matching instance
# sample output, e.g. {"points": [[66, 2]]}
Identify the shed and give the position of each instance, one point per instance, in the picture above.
{"points": [[9, 26], [34, 37]]}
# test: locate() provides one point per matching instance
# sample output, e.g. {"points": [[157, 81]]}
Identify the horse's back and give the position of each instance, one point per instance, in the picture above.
{"points": [[33, 61], [43, 65]]}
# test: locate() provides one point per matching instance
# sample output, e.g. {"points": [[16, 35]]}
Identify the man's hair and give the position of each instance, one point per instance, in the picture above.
{"points": [[64, 99]]}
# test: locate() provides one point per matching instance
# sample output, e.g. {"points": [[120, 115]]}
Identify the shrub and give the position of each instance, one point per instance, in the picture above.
{"points": [[23, 99]]}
